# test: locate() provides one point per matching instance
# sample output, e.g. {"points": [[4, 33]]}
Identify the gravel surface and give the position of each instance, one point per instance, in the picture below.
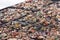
{"points": [[31, 20]]}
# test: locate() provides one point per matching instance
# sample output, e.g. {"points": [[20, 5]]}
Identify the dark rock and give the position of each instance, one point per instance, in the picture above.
{"points": [[55, 0]]}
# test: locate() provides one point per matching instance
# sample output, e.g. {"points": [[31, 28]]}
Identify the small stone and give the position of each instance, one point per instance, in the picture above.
{"points": [[17, 24], [39, 13], [12, 39], [1, 14]]}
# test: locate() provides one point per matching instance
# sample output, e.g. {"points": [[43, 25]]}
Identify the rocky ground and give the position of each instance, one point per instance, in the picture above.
{"points": [[31, 20]]}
